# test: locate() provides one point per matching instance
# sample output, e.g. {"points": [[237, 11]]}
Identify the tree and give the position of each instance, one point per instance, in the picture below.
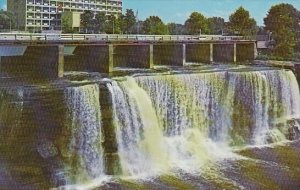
{"points": [[196, 24], [216, 25], [7, 20], [100, 21], [155, 26], [283, 21], [66, 22], [112, 25], [87, 20], [240, 23], [128, 21], [176, 29]]}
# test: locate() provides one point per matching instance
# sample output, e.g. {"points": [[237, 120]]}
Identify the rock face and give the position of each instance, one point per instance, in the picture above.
{"points": [[30, 120], [110, 146], [293, 129], [52, 136]]}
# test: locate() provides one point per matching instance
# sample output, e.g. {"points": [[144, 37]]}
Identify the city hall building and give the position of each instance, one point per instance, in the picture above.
{"points": [[43, 15]]}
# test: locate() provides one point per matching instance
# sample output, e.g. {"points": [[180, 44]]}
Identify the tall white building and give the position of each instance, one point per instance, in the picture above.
{"points": [[40, 15]]}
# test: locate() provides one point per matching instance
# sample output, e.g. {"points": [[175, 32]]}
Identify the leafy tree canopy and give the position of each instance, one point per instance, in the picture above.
{"points": [[216, 25], [176, 29], [240, 23], [155, 26], [87, 20], [196, 23], [283, 21], [128, 21], [7, 20]]}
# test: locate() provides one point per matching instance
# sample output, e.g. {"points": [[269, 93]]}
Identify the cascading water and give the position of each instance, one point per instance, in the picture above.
{"points": [[137, 126], [250, 104], [188, 120], [81, 139]]}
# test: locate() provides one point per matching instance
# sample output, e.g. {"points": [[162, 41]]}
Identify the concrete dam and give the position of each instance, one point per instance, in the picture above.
{"points": [[146, 116]]}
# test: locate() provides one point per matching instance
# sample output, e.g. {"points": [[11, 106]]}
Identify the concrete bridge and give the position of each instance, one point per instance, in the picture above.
{"points": [[48, 57]]}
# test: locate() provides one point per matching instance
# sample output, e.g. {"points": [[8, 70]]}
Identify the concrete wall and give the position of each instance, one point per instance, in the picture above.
{"points": [[133, 56], [37, 62], [169, 54], [245, 52], [223, 53], [198, 53], [92, 58]]}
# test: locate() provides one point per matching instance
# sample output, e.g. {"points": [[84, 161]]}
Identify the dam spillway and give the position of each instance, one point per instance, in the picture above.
{"points": [[82, 130]]}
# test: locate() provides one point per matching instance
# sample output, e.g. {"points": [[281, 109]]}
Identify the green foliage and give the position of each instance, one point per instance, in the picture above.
{"points": [[87, 20], [176, 29], [66, 22], [240, 23], [100, 22], [154, 25], [112, 25], [195, 23], [283, 21], [128, 22], [7, 20], [216, 25]]}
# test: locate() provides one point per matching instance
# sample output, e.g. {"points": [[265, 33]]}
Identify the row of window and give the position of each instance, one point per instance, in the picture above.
{"points": [[74, 3]]}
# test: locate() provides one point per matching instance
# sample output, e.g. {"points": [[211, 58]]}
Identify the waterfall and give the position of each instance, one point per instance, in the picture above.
{"points": [[184, 121], [81, 138], [137, 127], [233, 107], [144, 147]]}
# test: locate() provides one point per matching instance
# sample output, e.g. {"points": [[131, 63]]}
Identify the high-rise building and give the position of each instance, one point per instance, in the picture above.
{"points": [[40, 15]]}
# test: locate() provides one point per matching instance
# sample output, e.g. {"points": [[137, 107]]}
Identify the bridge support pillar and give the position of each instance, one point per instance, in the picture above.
{"points": [[199, 52], [151, 61], [110, 60], [41, 62], [211, 52], [169, 54], [184, 53], [234, 52], [133, 55]]}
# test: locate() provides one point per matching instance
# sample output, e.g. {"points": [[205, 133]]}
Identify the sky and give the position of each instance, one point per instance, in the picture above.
{"points": [[179, 10]]}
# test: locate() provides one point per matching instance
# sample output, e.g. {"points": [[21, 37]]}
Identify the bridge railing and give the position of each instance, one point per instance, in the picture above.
{"points": [[114, 37]]}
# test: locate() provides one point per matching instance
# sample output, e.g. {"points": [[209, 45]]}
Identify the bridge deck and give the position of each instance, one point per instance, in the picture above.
{"points": [[8, 38]]}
